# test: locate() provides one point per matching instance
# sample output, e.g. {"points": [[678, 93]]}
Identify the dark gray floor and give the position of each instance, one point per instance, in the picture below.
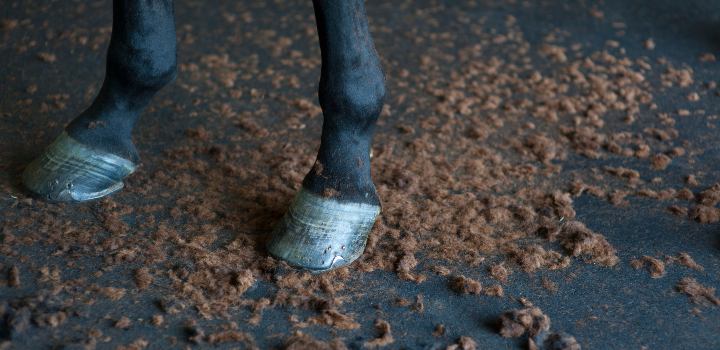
{"points": [[604, 308]]}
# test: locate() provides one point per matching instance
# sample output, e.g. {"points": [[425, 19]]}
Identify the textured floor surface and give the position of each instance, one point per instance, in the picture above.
{"points": [[51, 64]]}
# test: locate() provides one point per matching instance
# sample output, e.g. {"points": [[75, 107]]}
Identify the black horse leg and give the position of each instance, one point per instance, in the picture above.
{"points": [[95, 153], [328, 222]]}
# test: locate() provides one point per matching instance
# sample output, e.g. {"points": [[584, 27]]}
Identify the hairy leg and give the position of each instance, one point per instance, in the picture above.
{"points": [[93, 155], [327, 224]]}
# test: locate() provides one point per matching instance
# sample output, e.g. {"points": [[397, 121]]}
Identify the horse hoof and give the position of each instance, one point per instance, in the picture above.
{"points": [[69, 171], [321, 234]]}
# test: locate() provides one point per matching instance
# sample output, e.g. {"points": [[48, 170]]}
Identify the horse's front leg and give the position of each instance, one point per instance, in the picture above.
{"points": [[329, 220], [95, 153]]}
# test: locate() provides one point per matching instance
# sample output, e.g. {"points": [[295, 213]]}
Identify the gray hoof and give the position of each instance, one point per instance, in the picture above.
{"points": [[321, 234], [71, 171]]}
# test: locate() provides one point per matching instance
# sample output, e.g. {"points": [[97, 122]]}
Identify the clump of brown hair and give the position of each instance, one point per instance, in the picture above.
{"points": [[531, 320], [385, 335], [302, 341], [465, 285], [698, 293], [655, 266], [590, 246]]}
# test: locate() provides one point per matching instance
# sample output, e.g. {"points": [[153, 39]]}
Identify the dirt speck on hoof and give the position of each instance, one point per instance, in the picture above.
{"points": [[330, 192], [317, 168]]}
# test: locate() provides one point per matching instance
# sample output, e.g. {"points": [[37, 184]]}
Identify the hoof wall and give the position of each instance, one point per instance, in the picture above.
{"points": [[321, 234], [69, 171]]}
